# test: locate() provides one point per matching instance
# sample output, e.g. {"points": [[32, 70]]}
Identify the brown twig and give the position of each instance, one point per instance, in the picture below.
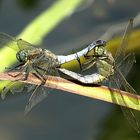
{"points": [[92, 91]]}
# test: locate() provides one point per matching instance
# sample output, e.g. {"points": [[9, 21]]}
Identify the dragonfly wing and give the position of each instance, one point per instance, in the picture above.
{"points": [[120, 54], [126, 64], [128, 113], [122, 70], [14, 87], [38, 95], [125, 84], [9, 41], [13, 43], [22, 44]]}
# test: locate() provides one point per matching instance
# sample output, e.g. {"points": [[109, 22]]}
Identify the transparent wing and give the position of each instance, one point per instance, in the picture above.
{"points": [[38, 95], [9, 41], [39, 92], [126, 85], [126, 64], [14, 87], [22, 44], [13, 43], [122, 70], [128, 113], [120, 53]]}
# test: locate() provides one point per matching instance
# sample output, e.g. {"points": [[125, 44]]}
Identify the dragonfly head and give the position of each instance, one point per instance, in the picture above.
{"points": [[103, 54], [96, 50], [100, 50], [22, 56]]}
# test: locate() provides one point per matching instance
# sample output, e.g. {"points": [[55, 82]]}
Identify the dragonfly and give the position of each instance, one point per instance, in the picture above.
{"points": [[40, 62], [112, 69], [33, 60]]}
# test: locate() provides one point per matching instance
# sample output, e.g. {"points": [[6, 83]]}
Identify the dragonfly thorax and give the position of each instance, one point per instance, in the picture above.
{"points": [[106, 66]]}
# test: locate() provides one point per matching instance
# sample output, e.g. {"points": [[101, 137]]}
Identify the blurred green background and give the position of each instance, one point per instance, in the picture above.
{"points": [[64, 115]]}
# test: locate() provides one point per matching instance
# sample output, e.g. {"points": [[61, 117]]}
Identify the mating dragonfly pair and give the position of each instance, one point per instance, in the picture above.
{"points": [[42, 62]]}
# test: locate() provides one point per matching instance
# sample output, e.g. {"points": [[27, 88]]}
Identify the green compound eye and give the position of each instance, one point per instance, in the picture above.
{"points": [[100, 51], [22, 56]]}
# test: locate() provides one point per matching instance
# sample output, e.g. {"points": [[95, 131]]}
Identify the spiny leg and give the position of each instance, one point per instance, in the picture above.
{"points": [[24, 71], [87, 65]]}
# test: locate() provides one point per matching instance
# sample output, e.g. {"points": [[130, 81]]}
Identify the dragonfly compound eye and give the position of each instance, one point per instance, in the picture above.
{"points": [[99, 50], [22, 56]]}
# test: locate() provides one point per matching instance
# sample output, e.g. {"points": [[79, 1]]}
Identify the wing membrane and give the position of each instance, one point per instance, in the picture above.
{"points": [[38, 95], [123, 64], [120, 54], [126, 85], [9, 41], [13, 43], [24, 44], [126, 64], [128, 113]]}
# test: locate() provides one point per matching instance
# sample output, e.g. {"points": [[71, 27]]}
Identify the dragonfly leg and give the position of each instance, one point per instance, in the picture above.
{"points": [[23, 74], [40, 75], [88, 65], [23, 71], [18, 67]]}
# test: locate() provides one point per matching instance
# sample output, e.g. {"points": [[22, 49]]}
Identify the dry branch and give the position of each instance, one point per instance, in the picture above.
{"points": [[93, 91]]}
